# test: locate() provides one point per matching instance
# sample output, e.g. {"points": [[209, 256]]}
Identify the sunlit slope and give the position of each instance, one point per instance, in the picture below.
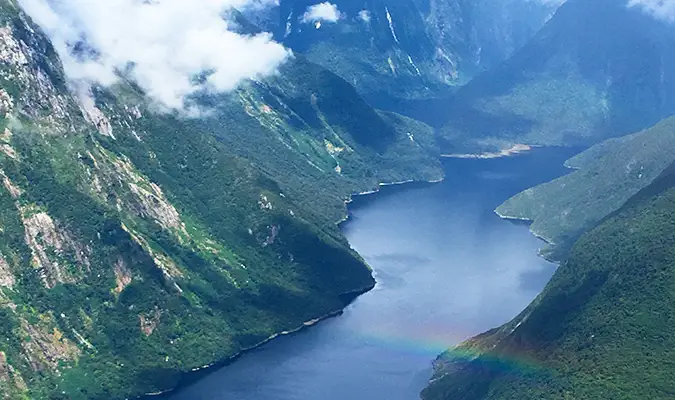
{"points": [[604, 178]]}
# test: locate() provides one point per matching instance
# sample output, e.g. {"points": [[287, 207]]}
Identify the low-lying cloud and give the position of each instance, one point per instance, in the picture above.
{"points": [[364, 15], [322, 12], [661, 9], [162, 44]]}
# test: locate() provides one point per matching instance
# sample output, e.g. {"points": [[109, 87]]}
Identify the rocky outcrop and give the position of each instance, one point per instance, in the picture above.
{"points": [[56, 254], [47, 346], [24, 65], [95, 116], [13, 189], [123, 276], [113, 174], [150, 321], [10, 377], [6, 275]]}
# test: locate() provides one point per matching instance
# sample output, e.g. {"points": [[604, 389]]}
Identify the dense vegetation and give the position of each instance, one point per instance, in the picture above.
{"points": [[604, 178], [600, 330], [135, 246], [597, 69]]}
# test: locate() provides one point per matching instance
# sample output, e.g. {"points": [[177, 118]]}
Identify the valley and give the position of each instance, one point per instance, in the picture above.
{"points": [[176, 180], [446, 268]]}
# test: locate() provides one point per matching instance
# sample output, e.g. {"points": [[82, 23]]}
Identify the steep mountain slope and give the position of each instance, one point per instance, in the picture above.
{"points": [[482, 34], [601, 328], [406, 49], [137, 245], [605, 177], [597, 69]]}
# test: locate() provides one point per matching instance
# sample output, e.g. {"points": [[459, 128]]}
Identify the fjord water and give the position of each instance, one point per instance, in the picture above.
{"points": [[447, 268]]}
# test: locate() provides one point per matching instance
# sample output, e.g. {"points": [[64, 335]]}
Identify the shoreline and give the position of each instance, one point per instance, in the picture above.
{"points": [[305, 325], [378, 189], [514, 150], [539, 236], [214, 366]]}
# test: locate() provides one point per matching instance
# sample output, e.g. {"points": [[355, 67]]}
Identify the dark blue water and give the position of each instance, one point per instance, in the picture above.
{"points": [[447, 268]]}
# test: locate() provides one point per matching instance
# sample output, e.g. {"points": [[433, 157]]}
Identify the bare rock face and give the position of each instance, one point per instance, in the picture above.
{"points": [[47, 346], [150, 321], [123, 276], [10, 377], [134, 191], [4, 368], [6, 103], [6, 276], [95, 116], [13, 190], [56, 254], [38, 98]]}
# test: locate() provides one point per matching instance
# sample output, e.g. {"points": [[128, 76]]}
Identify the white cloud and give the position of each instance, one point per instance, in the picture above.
{"points": [[325, 11], [364, 15], [661, 9], [161, 44]]}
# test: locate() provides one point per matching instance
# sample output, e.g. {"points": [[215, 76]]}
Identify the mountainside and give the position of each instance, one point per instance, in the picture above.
{"points": [[484, 33], [600, 330], [597, 69], [405, 49], [604, 178], [137, 245]]}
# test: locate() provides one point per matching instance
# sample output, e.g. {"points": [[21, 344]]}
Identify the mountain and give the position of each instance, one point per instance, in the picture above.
{"points": [[600, 328], [604, 178], [597, 69], [405, 49], [484, 33], [136, 245]]}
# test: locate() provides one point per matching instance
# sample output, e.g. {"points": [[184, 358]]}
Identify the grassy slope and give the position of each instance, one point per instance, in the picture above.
{"points": [[605, 177], [156, 244], [601, 327]]}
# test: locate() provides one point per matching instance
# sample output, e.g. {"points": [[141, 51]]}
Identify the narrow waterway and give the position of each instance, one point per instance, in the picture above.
{"points": [[447, 268]]}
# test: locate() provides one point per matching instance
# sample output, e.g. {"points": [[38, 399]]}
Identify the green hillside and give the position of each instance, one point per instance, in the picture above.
{"points": [[136, 245], [604, 178], [600, 329]]}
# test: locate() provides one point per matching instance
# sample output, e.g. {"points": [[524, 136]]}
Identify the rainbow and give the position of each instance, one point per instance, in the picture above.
{"points": [[431, 341]]}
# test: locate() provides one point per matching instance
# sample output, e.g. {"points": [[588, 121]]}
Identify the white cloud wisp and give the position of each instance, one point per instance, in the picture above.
{"points": [[364, 15], [322, 12], [660, 9], [162, 44]]}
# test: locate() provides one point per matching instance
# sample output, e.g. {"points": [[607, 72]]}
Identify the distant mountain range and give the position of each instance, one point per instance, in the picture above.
{"points": [[597, 69], [407, 49]]}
